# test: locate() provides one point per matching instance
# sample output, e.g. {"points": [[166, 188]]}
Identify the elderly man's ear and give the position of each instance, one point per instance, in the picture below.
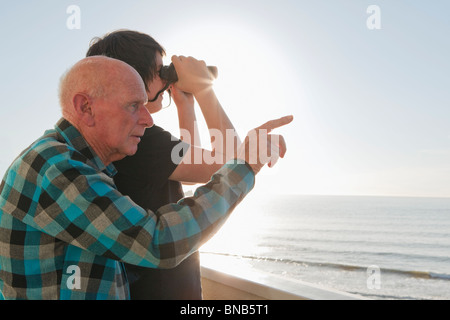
{"points": [[82, 104]]}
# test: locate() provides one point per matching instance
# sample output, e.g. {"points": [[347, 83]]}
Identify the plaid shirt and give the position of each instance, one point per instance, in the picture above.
{"points": [[65, 229]]}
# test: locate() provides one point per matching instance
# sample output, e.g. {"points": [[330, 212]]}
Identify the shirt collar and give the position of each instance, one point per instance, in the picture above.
{"points": [[74, 138]]}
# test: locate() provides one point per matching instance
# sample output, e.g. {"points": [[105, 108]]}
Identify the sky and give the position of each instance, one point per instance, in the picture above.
{"points": [[371, 105]]}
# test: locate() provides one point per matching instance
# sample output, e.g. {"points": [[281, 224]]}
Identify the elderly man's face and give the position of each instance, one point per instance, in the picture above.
{"points": [[121, 118]]}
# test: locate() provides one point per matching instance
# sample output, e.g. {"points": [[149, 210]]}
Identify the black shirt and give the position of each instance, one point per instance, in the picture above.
{"points": [[144, 177]]}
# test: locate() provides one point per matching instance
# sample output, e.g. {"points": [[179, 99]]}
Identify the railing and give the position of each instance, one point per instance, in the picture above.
{"points": [[230, 285]]}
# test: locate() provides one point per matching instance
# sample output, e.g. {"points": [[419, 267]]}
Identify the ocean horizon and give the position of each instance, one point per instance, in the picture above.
{"points": [[375, 246]]}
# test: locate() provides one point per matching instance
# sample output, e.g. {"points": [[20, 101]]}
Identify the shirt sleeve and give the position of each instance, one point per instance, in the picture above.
{"points": [[82, 207]]}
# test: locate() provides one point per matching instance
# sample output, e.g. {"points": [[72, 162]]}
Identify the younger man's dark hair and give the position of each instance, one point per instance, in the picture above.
{"points": [[132, 47]]}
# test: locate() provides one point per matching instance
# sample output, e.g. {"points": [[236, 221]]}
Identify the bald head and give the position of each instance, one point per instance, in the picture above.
{"points": [[96, 77], [105, 100]]}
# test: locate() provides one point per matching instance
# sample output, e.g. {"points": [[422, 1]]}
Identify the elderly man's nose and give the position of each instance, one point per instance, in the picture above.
{"points": [[146, 118]]}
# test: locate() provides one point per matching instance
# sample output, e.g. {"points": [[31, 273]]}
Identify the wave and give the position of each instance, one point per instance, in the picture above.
{"points": [[366, 249], [346, 267], [387, 296]]}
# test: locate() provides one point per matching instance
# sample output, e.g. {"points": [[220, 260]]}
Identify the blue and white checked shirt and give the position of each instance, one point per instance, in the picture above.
{"points": [[65, 229]]}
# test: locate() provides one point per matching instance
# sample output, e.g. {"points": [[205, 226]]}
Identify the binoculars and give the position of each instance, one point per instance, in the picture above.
{"points": [[169, 74]]}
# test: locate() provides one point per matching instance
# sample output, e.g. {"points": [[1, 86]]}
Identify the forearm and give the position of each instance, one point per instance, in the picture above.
{"points": [[218, 123], [194, 77], [188, 125]]}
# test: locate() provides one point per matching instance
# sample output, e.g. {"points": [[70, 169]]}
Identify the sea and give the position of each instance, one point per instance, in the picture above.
{"points": [[382, 248]]}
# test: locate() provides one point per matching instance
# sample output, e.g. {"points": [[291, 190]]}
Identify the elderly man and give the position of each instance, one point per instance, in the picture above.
{"points": [[65, 230]]}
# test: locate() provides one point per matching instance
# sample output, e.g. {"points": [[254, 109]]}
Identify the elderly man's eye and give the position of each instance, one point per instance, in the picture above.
{"points": [[133, 107]]}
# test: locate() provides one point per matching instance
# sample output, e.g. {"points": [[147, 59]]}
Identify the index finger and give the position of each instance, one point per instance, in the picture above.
{"points": [[272, 124]]}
